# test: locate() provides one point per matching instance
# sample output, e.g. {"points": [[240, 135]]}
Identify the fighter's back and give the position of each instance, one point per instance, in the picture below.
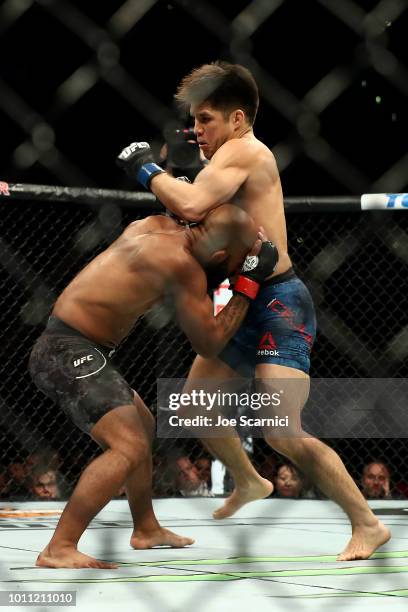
{"points": [[107, 296]]}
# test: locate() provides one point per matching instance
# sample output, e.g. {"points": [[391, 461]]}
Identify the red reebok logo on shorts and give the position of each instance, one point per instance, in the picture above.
{"points": [[267, 341], [267, 346]]}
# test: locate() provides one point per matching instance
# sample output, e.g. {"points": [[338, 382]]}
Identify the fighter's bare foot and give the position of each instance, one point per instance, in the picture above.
{"points": [[365, 541], [243, 495], [160, 537], [68, 556]]}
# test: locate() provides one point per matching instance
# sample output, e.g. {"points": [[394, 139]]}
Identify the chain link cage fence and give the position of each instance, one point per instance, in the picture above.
{"points": [[352, 262], [334, 115]]}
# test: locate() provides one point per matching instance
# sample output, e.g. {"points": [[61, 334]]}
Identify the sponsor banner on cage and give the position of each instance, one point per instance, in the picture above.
{"points": [[331, 408], [384, 201]]}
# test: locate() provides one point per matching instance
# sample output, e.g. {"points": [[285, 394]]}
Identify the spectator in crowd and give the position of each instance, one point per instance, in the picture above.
{"points": [[187, 480], [203, 467], [375, 481], [18, 479], [289, 482], [49, 456], [21, 471], [43, 484]]}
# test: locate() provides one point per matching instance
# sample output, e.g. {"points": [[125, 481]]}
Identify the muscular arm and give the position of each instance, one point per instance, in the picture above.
{"points": [[194, 310], [215, 185]]}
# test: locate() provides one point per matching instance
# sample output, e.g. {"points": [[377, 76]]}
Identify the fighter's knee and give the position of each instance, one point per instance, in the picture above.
{"points": [[289, 447], [296, 448], [132, 445], [278, 444], [134, 451]]}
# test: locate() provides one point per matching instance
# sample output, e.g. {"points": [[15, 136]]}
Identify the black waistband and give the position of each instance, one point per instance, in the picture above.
{"points": [[54, 324], [280, 278]]}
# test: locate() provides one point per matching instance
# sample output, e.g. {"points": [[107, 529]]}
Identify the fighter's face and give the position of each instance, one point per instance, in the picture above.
{"points": [[212, 129]]}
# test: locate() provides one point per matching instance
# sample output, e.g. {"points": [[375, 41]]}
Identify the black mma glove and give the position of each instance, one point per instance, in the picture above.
{"points": [[138, 163], [256, 269]]}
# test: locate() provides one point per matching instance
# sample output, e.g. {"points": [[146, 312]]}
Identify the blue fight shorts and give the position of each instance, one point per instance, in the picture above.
{"points": [[279, 328]]}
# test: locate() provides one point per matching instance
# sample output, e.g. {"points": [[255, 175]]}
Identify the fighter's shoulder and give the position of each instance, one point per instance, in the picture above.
{"points": [[263, 162], [151, 224], [261, 152], [234, 148], [246, 151]]}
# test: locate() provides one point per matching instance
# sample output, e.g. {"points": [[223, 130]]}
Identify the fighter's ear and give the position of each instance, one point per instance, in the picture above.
{"points": [[238, 117]]}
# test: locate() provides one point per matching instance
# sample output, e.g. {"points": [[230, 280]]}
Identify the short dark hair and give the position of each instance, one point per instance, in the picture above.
{"points": [[225, 86]]}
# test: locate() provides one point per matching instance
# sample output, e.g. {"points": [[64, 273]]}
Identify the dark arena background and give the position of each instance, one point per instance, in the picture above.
{"points": [[81, 80]]}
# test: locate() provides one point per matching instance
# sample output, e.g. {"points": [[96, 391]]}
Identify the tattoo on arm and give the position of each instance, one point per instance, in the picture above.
{"points": [[232, 315]]}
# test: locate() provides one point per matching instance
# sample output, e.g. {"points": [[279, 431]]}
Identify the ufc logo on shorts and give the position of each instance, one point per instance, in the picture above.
{"points": [[128, 151], [78, 362]]}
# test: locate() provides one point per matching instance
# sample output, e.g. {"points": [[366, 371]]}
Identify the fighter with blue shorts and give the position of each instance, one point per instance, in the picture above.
{"points": [[276, 338], [279, 328]]}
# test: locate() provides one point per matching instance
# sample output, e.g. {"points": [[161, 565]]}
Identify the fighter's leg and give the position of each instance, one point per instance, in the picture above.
{"points": [[249, 485], [122, 434], [319, 462], [147, 531]]}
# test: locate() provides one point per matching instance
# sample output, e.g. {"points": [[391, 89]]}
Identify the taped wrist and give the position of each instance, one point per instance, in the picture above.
{"points": [[247, 287], [147, 172]]}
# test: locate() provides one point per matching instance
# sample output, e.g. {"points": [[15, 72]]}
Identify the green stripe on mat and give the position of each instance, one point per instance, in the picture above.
{"points": [[341, 571], [399, 593], [237, 560]]}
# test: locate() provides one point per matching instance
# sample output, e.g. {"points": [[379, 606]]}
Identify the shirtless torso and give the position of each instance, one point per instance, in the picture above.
{"points": [[241, 170], [260, 195], [156, 259], [126, 279]]}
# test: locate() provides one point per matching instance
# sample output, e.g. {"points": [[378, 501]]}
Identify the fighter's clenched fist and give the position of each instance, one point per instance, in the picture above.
{"points": [[138, 163]]}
